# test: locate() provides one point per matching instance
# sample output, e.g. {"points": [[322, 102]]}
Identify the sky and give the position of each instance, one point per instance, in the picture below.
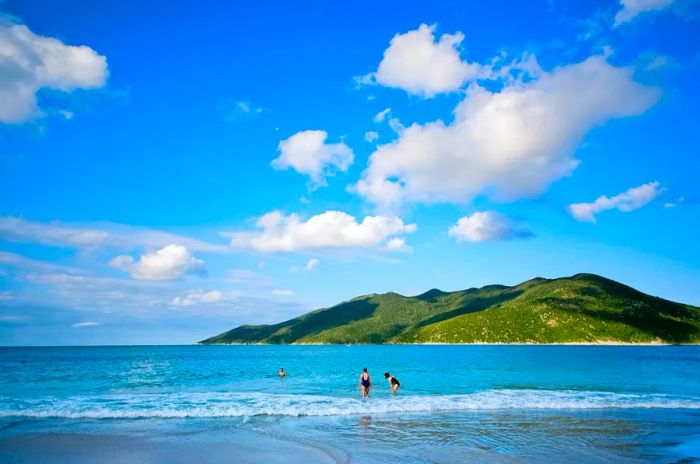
{"points": [[170, 170]]}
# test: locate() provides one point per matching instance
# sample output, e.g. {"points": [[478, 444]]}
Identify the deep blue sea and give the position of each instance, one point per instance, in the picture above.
{"points": [[456, 404]]}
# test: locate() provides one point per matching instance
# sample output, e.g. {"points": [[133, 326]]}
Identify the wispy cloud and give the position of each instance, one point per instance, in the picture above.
{"points": [[309, 266], [237, 110], [103, 234], [22, 262], [633, 8], [627, 201], [282, 292], [85, 324]]}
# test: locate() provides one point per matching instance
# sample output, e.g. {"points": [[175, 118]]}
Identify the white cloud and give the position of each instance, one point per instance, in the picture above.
{"points": [[418, 64], [30, 62], [54, 233], [90, 297], [397, 244], [311, 264], [371, 136], [331, 229], [198, 296], [507, 144], [630, 200], [381, 116], [633, 8], [282, 292], [308, 153], [86, 324], [485, 225], [168, 263]]}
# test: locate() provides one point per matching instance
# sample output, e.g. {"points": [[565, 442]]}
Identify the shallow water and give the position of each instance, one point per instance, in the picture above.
{"points": [[456, 404]]}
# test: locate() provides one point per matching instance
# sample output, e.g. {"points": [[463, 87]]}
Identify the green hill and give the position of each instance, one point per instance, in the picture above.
{"points": [[582, 308]]}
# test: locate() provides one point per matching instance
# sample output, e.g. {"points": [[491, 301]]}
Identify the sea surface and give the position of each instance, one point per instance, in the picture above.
{"points": [[521, 404]]}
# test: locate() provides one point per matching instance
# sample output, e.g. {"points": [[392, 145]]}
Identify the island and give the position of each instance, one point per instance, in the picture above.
{"points": [[584, 308]]}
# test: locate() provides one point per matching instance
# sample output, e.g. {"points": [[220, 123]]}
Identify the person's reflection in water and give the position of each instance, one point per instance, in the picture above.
{"points": [[365, 424]]}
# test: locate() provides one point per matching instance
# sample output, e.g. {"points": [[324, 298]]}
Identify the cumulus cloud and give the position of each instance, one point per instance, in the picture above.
{"points": [[419, 64], [371, 136], [506, 144], [168, 263], [308, 153], [486, 225], [630, 200], [29, 62], [198, 296], [54, 233], [331, 229], [633, 8]]}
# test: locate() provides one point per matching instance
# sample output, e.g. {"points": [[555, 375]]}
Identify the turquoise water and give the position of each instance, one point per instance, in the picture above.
{"points": [[456, 403]]}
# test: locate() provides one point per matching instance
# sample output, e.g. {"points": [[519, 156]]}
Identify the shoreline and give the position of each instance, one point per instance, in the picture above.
{"points": [[601, 343]]}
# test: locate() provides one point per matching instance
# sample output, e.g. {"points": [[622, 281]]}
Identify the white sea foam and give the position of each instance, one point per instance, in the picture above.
{"points": [[223, 404]]}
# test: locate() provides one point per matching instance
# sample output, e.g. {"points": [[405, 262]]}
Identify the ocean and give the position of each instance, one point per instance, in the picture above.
{"points": [[478, 403]]}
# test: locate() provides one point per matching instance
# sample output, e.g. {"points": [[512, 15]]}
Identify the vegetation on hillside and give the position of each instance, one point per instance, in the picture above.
{"points": [[582, 308]]}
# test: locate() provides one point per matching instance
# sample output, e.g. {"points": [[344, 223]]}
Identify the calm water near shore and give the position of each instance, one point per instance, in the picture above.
{"points": [[456, 404]]}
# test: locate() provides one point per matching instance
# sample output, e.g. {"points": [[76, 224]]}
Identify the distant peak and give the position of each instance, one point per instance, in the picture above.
{"points": [[534, 281], [591, 277], [432, 293], [393, 294]]}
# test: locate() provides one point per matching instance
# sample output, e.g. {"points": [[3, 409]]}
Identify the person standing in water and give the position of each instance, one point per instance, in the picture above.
{"points": [[365, 383], [393, 383], [281, 373]]}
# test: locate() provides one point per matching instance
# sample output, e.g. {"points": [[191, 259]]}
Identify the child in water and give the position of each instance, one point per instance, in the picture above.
{"points": [[393, 383], [365, 383]]}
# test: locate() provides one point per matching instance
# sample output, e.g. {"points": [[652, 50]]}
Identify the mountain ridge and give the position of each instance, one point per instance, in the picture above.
{"points": [[583, 308]]}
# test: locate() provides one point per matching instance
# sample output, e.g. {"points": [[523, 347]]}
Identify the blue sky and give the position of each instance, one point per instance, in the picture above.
{"points": [[169, 171]]}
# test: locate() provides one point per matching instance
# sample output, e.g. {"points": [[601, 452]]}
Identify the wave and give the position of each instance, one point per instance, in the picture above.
{"points": [[228, 404]]}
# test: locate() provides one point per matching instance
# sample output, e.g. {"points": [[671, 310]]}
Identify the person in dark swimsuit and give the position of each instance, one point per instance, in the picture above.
{"points": [[393, 383], [365, 383]]}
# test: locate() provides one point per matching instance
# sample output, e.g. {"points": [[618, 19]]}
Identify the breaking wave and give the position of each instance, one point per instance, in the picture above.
{"points": [[229, 404]]}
